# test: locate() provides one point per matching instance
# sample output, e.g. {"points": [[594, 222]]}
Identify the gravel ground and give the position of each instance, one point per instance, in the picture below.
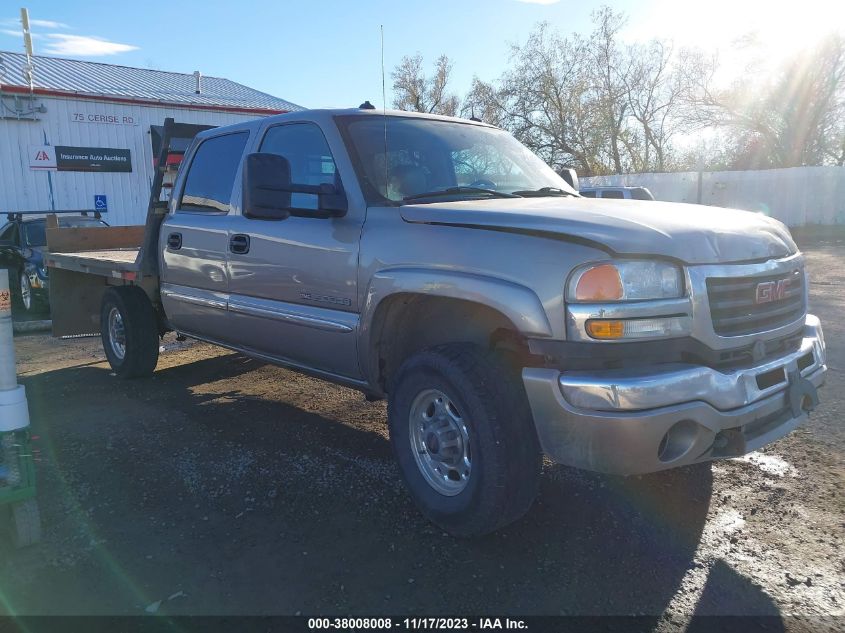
{"points": [[225, 486]]}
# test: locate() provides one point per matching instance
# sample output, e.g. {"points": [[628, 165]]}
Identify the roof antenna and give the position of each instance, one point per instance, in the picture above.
{"points": [[384, 113], [27, 41]]}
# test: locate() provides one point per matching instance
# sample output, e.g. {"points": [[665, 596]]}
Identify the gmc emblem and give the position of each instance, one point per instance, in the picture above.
{"points": [[768, 291]]}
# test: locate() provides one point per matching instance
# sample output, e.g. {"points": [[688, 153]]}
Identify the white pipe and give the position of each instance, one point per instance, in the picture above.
{"points": [[14, 413]]}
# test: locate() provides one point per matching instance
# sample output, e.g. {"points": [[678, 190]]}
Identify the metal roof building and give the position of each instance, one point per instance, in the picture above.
{"points": [[74, 133]]}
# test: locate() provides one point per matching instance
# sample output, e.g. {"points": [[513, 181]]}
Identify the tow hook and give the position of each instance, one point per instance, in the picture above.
{"points": [[802, 395]]}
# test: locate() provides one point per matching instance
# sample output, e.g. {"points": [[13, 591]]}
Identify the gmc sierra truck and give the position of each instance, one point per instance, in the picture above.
{"points": [[438, 263]]}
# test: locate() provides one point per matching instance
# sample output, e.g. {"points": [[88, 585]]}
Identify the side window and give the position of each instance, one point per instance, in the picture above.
{"points": [[211, 176], [588, 194], [311, 161], [612, 193], [34, 233]]}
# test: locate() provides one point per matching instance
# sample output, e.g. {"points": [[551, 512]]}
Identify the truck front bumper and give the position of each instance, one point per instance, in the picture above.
{"points": [[633, 421]]}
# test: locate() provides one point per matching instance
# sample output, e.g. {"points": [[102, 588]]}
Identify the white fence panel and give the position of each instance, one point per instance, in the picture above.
{"points": [[797, 196]]}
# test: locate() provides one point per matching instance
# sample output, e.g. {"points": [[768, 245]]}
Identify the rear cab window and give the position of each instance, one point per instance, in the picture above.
{"points": [[612, 193], [211, 175], [640, 193]]}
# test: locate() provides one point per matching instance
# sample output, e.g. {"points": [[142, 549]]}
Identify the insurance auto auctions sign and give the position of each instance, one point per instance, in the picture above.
{"points": [[66, 158]]}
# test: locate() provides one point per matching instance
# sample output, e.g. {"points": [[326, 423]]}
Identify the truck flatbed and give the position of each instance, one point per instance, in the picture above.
{"points": [[83, 263], [118, 263]]}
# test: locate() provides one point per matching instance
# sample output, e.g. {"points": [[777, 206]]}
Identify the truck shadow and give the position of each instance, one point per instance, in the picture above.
{"points": [[263, 506]]}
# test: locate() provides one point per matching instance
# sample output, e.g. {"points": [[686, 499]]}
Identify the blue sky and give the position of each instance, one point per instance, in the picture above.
{"points": [[327, 52]]}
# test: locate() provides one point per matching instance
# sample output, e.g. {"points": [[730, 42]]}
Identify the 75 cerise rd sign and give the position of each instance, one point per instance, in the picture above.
{"points": [[103, 119]]}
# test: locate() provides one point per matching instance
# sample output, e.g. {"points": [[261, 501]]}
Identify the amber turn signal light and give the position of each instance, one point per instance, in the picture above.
{"points": [[605, 329], [601, 283]]}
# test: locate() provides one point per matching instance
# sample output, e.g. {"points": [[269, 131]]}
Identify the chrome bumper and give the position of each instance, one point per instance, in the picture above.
{"points": [[646, 419]]}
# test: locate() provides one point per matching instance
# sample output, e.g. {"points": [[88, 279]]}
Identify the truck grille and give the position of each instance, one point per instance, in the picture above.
{"points": [[746, 305]]}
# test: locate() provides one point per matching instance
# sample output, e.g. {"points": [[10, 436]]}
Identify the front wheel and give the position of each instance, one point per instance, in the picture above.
{"points": [[23, 293], [129, 331], [464, 439]]}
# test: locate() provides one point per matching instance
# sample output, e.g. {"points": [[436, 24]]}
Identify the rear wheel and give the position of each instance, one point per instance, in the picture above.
{"points": [[464, 439], [129, 331]]}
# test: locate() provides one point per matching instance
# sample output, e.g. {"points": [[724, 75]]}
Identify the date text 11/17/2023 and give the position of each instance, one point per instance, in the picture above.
{"points": [[418, 623]]}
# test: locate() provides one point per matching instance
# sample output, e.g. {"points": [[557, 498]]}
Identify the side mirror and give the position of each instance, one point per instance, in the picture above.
{"points": [[570, 176], [268, 193], [266, 187]]}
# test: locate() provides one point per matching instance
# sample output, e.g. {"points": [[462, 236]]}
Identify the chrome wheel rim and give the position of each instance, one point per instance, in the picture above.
{"points": [[440, 442], [26, 292], [117, 334]]}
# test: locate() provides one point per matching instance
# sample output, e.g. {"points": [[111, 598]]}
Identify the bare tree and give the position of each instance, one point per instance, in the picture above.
{"points": [[415, 92], [588, 102], [483, 101], [592, 103], [794, 117], [654, 91], [547, 100], [611, 72]]}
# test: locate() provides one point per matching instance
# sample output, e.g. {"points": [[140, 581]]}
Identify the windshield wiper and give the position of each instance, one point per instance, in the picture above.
{"points": [[451, 191], [544, 191]]}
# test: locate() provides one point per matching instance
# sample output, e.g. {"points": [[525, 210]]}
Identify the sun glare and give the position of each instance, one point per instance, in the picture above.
{"points": [[740, 31]]}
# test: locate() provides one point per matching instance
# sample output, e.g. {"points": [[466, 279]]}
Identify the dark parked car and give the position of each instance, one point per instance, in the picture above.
{"points": [[22, 242]]}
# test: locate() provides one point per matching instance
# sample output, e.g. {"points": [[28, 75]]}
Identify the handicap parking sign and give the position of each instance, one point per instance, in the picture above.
{"points": [[100, 203]]}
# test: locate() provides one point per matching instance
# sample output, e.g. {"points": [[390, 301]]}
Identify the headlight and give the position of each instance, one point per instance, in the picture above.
{"points": [[629, 280]]}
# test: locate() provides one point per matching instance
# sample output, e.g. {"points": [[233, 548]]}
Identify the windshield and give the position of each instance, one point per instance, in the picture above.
{"points": [[427, 155]]}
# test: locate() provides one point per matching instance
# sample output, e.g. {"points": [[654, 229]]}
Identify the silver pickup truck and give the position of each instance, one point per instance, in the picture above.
{"points": [[438, 263]]}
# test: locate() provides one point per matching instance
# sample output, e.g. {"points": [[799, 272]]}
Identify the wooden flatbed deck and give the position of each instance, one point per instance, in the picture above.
{"points": [[120, 263]]}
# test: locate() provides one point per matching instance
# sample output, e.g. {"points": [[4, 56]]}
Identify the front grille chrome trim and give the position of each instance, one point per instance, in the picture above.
{"points": [[702, 322], [736, 311]]}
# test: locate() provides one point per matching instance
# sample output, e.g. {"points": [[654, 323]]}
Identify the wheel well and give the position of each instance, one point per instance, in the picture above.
{"points": [[405, 324]]}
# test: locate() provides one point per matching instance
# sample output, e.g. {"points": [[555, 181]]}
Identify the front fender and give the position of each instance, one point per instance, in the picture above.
{"points": [[518, 303]]}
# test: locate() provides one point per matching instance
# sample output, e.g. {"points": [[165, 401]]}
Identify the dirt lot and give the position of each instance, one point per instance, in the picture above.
{"points": [[225, 486]]}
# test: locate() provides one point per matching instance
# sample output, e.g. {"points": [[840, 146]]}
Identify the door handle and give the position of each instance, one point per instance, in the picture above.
{"points": [[174, 241], [239, 243]]}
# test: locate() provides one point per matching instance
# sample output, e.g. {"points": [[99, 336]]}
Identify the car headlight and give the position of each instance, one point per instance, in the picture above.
{"points": [[628, 280], [624, 300]]}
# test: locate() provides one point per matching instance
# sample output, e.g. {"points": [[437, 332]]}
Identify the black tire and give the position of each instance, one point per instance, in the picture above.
{"points": [[505, 452], [140, 332]]}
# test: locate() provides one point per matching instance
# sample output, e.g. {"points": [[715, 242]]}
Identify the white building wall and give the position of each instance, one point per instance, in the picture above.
{"points": [[797, 196], [26, 189]]}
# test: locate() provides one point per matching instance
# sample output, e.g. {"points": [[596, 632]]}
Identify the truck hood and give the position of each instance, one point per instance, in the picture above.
{"points": [[690, 233]]}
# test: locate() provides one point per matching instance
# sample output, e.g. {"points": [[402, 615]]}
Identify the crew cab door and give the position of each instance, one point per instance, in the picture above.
{"points": [[195, 238], [293, 282]]}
